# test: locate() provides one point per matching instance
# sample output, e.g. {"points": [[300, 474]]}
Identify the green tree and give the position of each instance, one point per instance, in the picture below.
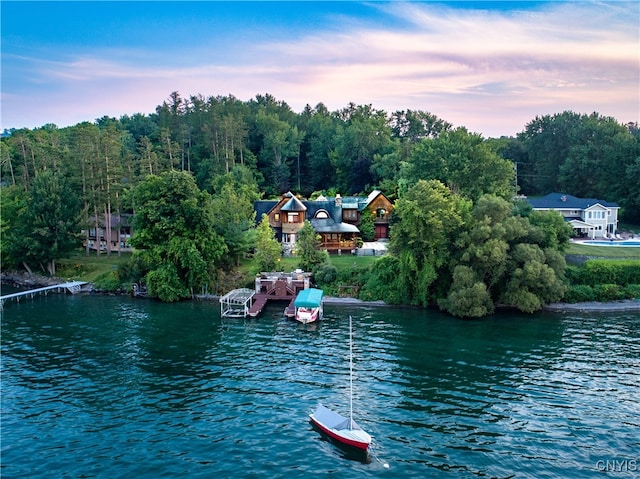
{"points": [[280, 144], [268, 250], [503, 259], [468, 297], [315, 170], [583, 155], [364, 132], [532, 282], [13, 201], [47, 227], [428, 219], [234, 216], [367, 226], [174, 235], [555, 231], [385, 282], [308, 248], [463, 161]]}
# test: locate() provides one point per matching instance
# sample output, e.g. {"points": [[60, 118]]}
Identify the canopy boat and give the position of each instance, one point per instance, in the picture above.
{"points": [[342, 429], [308, 305]]}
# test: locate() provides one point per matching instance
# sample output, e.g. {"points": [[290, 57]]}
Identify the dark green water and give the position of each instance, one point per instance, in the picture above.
{"points": [[103, 387]]}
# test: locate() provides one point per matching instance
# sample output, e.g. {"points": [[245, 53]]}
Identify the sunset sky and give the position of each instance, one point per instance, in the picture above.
{"points": [[489, 66]]}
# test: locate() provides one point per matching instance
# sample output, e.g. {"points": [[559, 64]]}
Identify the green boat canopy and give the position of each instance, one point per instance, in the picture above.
{"points": [[309, 298]]}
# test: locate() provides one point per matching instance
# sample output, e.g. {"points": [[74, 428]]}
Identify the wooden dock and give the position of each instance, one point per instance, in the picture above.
{"points": [[72, 287], [274, 286]]}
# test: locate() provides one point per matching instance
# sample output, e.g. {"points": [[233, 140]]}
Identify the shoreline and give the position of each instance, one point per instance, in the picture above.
{"points": [[26, 280], [594, 306]]}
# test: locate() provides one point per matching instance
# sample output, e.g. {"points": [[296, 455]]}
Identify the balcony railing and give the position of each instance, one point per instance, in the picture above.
{"points": [[339, 245]]}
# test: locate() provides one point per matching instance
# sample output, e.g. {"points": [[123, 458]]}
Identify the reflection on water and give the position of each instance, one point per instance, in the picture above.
{"points": [[114, 387]]}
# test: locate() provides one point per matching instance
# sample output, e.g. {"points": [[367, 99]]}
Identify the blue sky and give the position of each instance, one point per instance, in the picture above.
{"points": [[489, 66]]}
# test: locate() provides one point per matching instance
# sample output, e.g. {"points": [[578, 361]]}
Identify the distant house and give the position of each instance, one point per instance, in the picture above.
{"points": [[114, 237], [591, 218], [335, 219]]}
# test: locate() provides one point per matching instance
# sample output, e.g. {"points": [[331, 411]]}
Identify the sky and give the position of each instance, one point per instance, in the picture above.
{"points": [[491, 66]]}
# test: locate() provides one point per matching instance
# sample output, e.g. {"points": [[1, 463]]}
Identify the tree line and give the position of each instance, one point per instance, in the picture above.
{"points": [[191, 171]]}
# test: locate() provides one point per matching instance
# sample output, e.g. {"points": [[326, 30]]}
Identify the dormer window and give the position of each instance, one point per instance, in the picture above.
{"points": [[322, 214]]}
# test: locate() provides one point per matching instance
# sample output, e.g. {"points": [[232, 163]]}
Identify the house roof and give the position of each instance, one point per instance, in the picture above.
{"points": [[358, 202], [333, 224], [262, 207], [328, 225], [564, 201], [294, 204]]}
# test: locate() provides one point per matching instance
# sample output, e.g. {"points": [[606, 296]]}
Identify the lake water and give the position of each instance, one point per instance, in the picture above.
{"points": [[110, 387]]}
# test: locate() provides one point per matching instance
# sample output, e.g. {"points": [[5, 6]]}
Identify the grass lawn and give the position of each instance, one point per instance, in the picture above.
{"points": [[81, 267], [604, 251], [341, 263], [88, 268]]}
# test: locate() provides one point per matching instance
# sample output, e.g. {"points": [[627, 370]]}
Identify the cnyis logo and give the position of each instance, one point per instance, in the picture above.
{"points": [[625, 465]]}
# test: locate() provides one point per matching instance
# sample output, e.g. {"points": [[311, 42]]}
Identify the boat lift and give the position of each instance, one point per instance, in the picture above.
{"points": [[236, 303]]}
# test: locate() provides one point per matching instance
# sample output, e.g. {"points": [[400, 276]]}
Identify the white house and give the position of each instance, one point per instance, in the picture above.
{"points": [[590, 217]]}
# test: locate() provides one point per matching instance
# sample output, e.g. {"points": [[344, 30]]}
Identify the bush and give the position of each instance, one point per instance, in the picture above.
{"points": [[383, 282], [325, 274], [579, 293], [632, 291], [602, 271], [608, 292], [109, 281]]}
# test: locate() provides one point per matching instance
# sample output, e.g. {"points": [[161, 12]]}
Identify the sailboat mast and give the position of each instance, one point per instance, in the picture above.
{"points": [[350, 373]]}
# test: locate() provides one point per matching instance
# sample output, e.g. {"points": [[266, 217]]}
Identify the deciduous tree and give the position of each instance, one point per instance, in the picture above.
{"points": [[174, 235], [47, 228]]}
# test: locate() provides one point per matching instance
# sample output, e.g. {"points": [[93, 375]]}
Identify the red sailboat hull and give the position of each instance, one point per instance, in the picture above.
{"points": [[349, 442], [340, 428]]}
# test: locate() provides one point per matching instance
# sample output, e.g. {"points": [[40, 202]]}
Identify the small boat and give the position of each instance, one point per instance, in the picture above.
{"points": [[308, 305], [342, 429]]}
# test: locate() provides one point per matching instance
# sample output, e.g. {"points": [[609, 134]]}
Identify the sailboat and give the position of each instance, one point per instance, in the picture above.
{"points": [[342, 429]]}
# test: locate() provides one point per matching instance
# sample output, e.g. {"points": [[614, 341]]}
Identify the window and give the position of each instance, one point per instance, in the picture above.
{"points": [[293, 217], [322, 214], [276, 217], [350, 214]]}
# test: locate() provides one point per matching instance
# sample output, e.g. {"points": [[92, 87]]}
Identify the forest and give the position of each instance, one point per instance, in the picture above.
{"points": [[190, 172]]}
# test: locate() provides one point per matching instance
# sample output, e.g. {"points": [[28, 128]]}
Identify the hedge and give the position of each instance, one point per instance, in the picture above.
{"points": [[601, 271], [579, 293]]}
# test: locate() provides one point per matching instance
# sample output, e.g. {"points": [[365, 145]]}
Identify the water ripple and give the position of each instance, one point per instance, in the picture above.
{"points": [[109, 387]]}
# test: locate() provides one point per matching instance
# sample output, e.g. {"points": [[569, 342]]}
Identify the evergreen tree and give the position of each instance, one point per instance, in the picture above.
{"points": [[308, 248], [268, 250]]}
